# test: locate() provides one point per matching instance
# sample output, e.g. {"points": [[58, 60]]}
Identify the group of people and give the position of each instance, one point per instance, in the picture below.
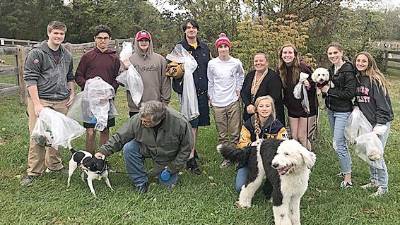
{"points": [[246, 108]]}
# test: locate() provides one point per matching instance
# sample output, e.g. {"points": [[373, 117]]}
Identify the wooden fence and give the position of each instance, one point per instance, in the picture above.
{"points": [[20, 53], [391, 56]]}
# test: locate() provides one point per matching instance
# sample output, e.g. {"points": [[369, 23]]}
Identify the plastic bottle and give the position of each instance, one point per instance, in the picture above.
{"points": [[165, 175]]}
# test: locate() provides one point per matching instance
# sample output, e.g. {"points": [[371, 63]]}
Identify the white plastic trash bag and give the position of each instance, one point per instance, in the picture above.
{"points": [[55, 129], [370, 149], [130, 78], [188, 99], [300, 90], [94, 105], [126, 51], [357, 124], [133, 82]]}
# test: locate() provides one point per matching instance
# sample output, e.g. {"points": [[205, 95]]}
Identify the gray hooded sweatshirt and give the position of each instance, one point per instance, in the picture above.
{"points": [[151, 67], [50, 77]]}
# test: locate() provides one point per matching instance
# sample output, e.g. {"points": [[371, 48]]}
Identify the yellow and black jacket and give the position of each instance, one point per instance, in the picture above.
{"points": [[271, 129]]}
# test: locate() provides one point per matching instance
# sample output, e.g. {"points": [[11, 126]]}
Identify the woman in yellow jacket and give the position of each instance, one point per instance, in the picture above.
{"points": [[263, 124]]}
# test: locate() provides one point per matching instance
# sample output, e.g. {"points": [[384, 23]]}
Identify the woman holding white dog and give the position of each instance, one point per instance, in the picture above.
{"points": [[263, 124], [301, 120], [373, 100], [339, 104]]}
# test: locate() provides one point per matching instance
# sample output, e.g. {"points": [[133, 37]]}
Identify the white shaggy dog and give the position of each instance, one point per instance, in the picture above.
{"points": [[321, 77], [286, 165]]}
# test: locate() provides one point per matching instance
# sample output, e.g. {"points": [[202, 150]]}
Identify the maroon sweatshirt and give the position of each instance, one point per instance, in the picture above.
{"points": [[98, 64]]}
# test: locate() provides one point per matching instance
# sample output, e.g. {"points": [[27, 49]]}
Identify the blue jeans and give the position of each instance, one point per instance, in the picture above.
{"points": [[241, 178], [134, 162], [338, 121], [380, 176]]}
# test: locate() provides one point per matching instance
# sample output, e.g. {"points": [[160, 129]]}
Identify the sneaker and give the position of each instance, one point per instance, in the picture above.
{"points": [[143, 188], [369, 186], [379, 193], [62, 171], [27, 180], [346, 185], [192, 166], [226, 163]]}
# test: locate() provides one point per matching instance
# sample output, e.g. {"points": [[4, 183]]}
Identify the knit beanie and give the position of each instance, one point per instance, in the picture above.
{"points": [[222, 40]]}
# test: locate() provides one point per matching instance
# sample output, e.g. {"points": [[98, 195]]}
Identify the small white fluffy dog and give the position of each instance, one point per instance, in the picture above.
{"points": [[321, 77]]}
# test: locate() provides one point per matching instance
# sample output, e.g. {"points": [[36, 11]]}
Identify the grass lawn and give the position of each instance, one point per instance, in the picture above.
{"points": [[205, 199]]}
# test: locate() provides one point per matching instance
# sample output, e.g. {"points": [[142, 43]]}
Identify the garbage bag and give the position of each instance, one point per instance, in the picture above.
{"points": [[357, 124], [370, 149], [55, 129], [188, 98]]}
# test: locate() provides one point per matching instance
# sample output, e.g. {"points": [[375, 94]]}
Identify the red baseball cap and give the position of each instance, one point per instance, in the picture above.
{"points": [[142, 35]]}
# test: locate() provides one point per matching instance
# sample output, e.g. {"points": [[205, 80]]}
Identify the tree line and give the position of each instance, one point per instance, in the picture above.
{"points": [[253, 25]]}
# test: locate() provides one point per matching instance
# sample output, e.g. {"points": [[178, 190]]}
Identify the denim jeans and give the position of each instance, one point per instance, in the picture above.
{"points": [[380, 176], [338, 121], [241, 178], [134, 162]]}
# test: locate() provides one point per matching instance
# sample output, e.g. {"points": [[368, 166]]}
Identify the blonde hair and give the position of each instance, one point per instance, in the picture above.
{"points": [[295, 67], [257, 122], [373, 72]]}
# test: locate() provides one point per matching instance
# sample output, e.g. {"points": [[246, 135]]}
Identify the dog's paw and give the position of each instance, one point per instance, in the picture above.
{"points": [[241, 206]]}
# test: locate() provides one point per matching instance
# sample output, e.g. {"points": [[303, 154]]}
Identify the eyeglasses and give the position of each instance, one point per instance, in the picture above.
{"points": [[103, 38]]}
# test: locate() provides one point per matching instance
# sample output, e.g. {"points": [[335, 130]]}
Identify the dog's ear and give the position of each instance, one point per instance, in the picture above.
{"points": [[308, 157]]}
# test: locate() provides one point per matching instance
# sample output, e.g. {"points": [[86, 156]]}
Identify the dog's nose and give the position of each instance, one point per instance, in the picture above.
{"points": [[275, 165]]}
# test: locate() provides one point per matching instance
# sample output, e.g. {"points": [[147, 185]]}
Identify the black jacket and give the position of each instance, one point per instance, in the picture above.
{"points": [[372, 101], [202, 55], [271, 85], [339, 98]]}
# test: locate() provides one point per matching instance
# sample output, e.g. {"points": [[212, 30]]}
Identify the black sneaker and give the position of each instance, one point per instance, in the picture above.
{"points": [[143, 188], [192, 166], [27, 180]]}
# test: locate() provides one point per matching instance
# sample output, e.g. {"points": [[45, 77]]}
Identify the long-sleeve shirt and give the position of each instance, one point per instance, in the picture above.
{"points": [[98, 64], [372, 101], [225, 80]]}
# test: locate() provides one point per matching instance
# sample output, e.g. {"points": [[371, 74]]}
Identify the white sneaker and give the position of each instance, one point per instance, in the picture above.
{"points": [[379, 193], [369, 185]]}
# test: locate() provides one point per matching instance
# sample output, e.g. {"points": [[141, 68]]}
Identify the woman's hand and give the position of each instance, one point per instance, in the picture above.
{"points": [[251, 109]]}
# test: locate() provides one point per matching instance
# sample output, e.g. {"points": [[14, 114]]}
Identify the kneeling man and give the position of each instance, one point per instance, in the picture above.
{"points": [[157, 132]]}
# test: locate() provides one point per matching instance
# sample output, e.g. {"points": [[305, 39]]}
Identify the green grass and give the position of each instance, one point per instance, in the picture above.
{"points": [[205, 199]]}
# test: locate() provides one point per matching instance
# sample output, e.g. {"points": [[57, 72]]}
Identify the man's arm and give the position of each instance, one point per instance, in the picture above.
{"points": [[31, 75], [165, 83], [186, 145], [80, 74]]}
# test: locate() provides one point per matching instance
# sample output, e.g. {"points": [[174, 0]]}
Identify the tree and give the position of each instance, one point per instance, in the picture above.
{"points": [[267, 36]]}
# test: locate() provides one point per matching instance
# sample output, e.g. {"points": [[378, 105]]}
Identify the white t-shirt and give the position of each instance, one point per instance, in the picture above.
{"points": [[225, 80]]}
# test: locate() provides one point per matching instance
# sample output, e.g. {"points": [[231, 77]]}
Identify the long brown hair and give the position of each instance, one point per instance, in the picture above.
{"points": [[295, 67], [373, 72]]}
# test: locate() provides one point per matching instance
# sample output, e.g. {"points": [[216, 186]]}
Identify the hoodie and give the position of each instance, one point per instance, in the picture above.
{"points": [[151, 67], [98, 64], [51, 76]]}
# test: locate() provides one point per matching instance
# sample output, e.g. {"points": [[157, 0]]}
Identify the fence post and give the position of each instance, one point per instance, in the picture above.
{"points": [[20, 65], [385, 60]]}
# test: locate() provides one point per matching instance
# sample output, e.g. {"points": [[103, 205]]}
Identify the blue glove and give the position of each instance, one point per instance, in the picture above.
{"points": [[167, 178]]}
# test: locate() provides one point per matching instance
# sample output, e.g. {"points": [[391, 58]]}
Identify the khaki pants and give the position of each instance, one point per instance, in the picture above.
{"points": [[40, 158], [228, 122]]}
